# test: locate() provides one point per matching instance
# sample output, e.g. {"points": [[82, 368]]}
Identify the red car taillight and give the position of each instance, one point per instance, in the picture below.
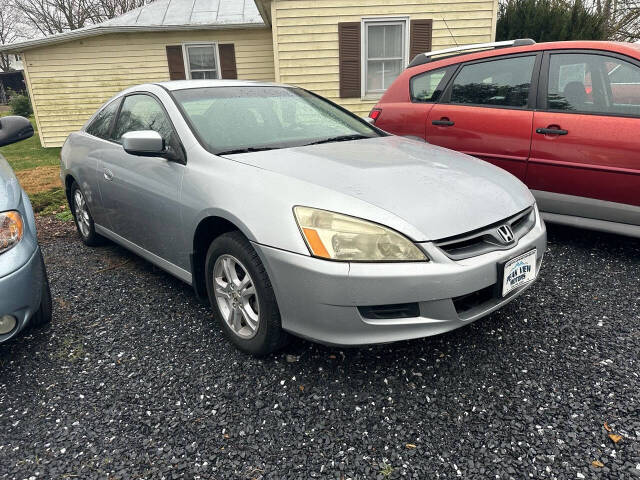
{"points": [[375, 114]]}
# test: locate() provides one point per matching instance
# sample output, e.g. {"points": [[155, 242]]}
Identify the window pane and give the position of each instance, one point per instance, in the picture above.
{"points": [[229, 118], [382, 73], [423, 87], [202, 57], [385, 41], [204, 75], [375, 41], [101, 124], [503, 82], [593, 84], [570, 87], [624, 81], [392, 68], [374, 75], [142, 112]]}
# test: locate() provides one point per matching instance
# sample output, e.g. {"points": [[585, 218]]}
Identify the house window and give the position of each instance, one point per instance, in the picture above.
{"points": [[385, 53], [201, 61]]}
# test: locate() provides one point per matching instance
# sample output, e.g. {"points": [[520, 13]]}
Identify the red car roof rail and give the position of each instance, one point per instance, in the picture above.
{"points": [[428, 56]]}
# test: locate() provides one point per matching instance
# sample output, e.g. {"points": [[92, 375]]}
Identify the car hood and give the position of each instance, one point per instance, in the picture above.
{"points": [[10, 192], [440, 192]]}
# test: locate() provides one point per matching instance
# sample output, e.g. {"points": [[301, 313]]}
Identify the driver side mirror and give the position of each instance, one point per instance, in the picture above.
{"points": [[14, 129], [149, 143]]}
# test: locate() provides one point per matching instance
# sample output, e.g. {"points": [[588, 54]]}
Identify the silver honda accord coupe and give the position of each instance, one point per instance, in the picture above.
{"points": [[291, 215]]}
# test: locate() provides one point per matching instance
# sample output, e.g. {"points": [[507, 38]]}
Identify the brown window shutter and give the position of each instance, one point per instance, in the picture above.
{"points": [[421, 37], [228, 61], [349, 59], [176, 62]]}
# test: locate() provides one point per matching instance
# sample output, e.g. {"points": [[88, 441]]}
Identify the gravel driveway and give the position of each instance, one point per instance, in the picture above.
{"points": [[134, 380]]}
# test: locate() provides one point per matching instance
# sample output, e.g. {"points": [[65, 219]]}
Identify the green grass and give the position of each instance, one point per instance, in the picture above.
{"points": [[29, 153], [48, 203]]}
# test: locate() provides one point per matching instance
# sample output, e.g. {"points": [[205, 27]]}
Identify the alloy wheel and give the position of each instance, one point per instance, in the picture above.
{"points": [[82, 213], [236, 296]]}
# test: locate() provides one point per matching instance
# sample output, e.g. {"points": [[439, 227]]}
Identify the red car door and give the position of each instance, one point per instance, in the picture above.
{"points": [[487, 111], [585, 151], [407, 118]]}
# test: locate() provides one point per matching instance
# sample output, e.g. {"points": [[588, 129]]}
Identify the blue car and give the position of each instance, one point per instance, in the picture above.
{"points": [[25, 298]]}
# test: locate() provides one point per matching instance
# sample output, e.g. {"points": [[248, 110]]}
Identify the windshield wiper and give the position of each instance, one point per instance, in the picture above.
{"points": [[245, 150], [340, 138]]}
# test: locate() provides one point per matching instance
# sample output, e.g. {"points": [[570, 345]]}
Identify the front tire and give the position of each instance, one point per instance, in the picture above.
{"points": [[242, 297], [45, 313], [82, 217]]}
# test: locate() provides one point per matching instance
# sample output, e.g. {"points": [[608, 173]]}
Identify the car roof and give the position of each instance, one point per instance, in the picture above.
{"points": [[632, 49], [398, 91]]}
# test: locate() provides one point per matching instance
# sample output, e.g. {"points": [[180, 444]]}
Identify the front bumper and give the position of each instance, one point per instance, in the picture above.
{"points": [[319, 299], [20, 293]]}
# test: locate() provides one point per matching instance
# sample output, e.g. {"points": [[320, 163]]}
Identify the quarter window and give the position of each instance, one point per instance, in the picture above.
{"points": [[504, 83], [101, 125], [385, 53], [427, 86], [591, 83], [202, 61]]}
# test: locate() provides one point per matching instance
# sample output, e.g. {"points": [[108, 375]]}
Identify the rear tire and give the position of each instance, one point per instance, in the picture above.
{"points": [[241, 296], [82, 217], [45, 312]]}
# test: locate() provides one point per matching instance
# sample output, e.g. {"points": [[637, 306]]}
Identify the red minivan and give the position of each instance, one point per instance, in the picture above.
{"points": [[563, 117]]}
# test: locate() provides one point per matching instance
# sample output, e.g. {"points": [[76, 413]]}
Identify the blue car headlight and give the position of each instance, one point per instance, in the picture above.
{"points": [[11, 230]]}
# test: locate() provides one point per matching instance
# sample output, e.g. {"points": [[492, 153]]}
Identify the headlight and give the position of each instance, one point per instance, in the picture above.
{"points": [[341, 237], [11, 230]]}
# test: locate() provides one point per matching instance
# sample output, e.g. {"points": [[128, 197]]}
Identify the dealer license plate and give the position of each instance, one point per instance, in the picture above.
{"points": [[519, 271]]}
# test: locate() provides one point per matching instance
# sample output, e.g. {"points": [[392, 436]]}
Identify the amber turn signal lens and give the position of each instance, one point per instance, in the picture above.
{"points": [[314, 241]]}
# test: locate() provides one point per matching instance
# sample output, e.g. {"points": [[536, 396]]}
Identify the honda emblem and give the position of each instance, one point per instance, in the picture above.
{"points": [[506, 234]]}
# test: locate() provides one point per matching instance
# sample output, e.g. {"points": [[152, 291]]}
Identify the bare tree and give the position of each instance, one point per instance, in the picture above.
{"points": [[56, 16], [623, 18], [9, 33], [106, 9]]}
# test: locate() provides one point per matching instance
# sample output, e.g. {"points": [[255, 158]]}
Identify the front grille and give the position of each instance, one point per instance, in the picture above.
{"points": [[488, 239]]}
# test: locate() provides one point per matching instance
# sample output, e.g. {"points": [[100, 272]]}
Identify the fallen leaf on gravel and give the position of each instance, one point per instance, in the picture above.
{"points": [[292, 358], [615, 438], [226, 435], [410, 445], [597, 464], [301, 387], [607, 427]]}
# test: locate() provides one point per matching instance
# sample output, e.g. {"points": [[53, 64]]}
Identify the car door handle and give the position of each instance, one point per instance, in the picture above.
{"points": [[443, 122], [108, 175], [551, 131]]}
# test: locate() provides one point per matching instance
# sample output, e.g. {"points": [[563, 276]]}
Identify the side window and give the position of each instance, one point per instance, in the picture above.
{"points": [[592, 83], [102, 123], [143, 112], [505, 82], [427, 87]]}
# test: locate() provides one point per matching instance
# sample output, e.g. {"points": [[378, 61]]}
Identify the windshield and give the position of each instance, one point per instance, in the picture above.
{"points": [[250, 118]]}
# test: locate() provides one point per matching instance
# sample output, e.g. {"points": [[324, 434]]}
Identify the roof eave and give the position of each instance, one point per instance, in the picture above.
{"points": [[103, 30], [264, 8]]}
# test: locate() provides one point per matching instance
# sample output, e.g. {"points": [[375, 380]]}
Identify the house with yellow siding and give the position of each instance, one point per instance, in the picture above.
{"points": [[346, 50]]}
